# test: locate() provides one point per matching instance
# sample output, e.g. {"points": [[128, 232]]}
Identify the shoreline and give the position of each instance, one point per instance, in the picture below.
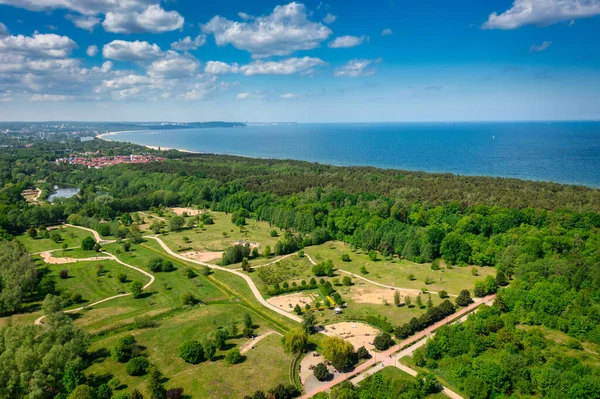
{"points": [[151, 147]]}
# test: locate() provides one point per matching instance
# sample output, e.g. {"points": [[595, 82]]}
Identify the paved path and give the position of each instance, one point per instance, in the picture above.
{"points": [[390, 352], [248, 280], [111, 257]]}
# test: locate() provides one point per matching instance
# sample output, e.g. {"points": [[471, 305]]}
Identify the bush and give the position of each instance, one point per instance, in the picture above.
{"points": [[114, 383], [345, 258], [125, 348], [87, 244], [83, 392], [175, 393], [190, 273], [347, 281], [464, 298], [429, 281], [63, 274], [363, 270], [137, 366], [323, 269], [155, 265], [435, 265], [443, 294], [383, 341], [233, 356], [274, 233], [136, 288], [187, 298], [373, 255], [321, 372], [191, 352], [122, 278], [167, 266], [362, 353]]}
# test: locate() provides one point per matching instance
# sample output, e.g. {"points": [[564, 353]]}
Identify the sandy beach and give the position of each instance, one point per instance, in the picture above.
{"points": [[151, 147]]}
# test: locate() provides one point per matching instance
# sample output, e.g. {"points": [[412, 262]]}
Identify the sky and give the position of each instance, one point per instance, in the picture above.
{"points": [[305, 61]]}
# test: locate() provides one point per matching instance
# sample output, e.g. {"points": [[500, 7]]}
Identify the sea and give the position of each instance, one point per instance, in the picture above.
{"points": [[562, 152]]}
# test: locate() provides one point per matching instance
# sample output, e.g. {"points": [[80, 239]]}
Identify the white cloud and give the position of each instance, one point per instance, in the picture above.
{"points": [[284, 67], [284, 31], [244, 16], [40, 45], [290, 96], [121, 16], [254, 95], [542, 12], [386, 32], [220, 68], [3, 30], [355, 68], [92, 50], [329, 18], [242, 96], [347, 41], [537, 48], [153, 19], [187, 43], [49, 98], [173, 66], [86, 22], [131, 51]]}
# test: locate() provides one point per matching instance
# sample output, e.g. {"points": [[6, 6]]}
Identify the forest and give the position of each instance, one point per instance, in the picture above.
{"points": [[542, 237]]}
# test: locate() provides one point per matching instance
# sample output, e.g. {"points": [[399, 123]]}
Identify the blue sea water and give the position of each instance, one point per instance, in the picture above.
{"points": [[563, 152]]}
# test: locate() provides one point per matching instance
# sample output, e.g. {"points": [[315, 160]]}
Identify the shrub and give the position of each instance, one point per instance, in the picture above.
{"points": [[137, 366], [435, 265], [125, 348], [87, 244], [99, 269], [362, 353], [175, 393], [155, 264], [187, 298], [114, 383], [167, 266], [464, 298], [83, 392], [190, 273], [191, 352], [475, 271], [383, 341], [144, 321], [63, 274], [347, 281], [274, 233], [443, 294], [373, 255], [76, 297], [323, 269], [345, 258], [429, 281], [122, 278], [321, 372], [136, 288], [411, 277], [363, 270], [233, 356]]}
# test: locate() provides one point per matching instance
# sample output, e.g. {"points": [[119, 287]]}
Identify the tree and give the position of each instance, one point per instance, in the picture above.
{"points": [[362, 353], [167, 266], [297, 309], [137, 366], [373, 255], [321, 372], [63, 274], [408, 301], [383, 341], [176, 223], [295, 340], [345, 258], [501, 279], [136, 288], [83, 392], [347, 281], [191, 352], [308, 322], [233, 356], [155, 264], [245, 265], [419, 301], [99, 269], [135, 394], [87, 244], [363, 270], [464, 298], [397, 299], [220, 336], [104, 392], [209, 347], [156, 388], [443, 294], [32, 232], [248, 323], [429, 302], [338, 351], [125, 348], [157, 226], [126, 246], [267, 251], [72, 378], [126, 219], [455, 249]]}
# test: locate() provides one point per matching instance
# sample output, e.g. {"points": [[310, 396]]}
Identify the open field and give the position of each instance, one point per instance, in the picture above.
{"points": [[70, 236], [397, 374], [396, 272], [264, 367]]}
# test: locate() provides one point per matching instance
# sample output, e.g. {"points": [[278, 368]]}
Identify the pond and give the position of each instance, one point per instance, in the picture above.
{"points": [[63, 192]]}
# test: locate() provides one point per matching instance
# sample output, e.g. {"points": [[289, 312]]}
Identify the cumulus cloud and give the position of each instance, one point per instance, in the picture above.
{"points": [[122, 50], [537, 48], [92, 50], [386, 32], [40, 45], [153, 19], [121, 16], [86, 22], [187, 43], [355, 68], [220, 68], [542, 12], [173, 66], [329, 18], [290, 96], [283, 32], [347, 41], [253, 95], [3, 30], [244, 16]]}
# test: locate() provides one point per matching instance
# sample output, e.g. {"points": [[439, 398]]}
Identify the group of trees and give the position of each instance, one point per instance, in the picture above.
{"points": [[18, 276]]}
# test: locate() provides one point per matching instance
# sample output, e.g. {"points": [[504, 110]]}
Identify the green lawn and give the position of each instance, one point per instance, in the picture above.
{"points": [[70, 236], [264, 367], [211, 238], [397, 374], [395, 272]]}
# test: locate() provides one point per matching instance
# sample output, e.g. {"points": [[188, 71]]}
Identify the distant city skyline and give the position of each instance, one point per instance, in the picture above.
{"points": [[305, 61]]}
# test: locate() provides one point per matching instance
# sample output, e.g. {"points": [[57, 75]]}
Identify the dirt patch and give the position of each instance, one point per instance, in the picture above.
{"points": [[377, 295], [307, 365], [358, 334], [189, 211], [242, 242], [289, 302], [202, 256], [48, 258]]}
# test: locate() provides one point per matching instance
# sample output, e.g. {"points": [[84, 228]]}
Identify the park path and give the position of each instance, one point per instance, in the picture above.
{"points": [[270, 263], [97, 237], [152, 216], [249, 345], [376, 283], [396, 348], [108, 256], [248, 280]]}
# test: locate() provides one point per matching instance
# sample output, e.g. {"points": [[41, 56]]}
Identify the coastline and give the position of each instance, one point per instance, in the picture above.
{"points": [[150, 147]]}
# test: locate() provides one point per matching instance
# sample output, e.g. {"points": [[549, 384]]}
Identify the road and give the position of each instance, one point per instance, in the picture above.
{"points": [[248, 280], [403, 344]]}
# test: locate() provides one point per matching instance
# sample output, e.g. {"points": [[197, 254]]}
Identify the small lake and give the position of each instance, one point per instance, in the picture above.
{"points": [[63, 192]]}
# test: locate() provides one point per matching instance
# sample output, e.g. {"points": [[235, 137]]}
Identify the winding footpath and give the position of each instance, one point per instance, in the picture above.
{"points": [[248, 280]]}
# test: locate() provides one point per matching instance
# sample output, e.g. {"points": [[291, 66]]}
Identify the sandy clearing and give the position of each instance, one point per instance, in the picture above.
{"points": [[202, 256], [189, 211], [376, 295], [48, 258], [289, 302], [358, 334]]}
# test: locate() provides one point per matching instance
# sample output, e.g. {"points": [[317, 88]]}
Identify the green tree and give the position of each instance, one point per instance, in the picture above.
{"points": [[191, 352], [233, 356], [32, 232], [295, 340], [176, 223], [72, 378], [137, 366], [347, 281], [455, 249], [136, 288], [464, 298], [83, 392], [87, 244], [338, 351], [321, 372], [308, 322], [156, 388], [267, 251], [125, 348], [248, 323], [397, 299]]}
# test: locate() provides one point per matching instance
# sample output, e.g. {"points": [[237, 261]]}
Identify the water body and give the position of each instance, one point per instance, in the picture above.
{"points": [[63, 192], [563, 152]]}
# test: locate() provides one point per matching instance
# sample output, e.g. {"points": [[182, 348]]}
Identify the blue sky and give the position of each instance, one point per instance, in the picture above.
{"points": [[310, 61]]}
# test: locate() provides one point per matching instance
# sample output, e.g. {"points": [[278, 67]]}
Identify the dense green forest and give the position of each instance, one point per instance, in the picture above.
{"points": [[543, 237]]}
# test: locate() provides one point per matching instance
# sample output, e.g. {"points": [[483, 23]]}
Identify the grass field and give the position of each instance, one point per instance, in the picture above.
{"points": [[395, 272], [264, 367], [211, 237], [397, 374], [70, 236]]}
